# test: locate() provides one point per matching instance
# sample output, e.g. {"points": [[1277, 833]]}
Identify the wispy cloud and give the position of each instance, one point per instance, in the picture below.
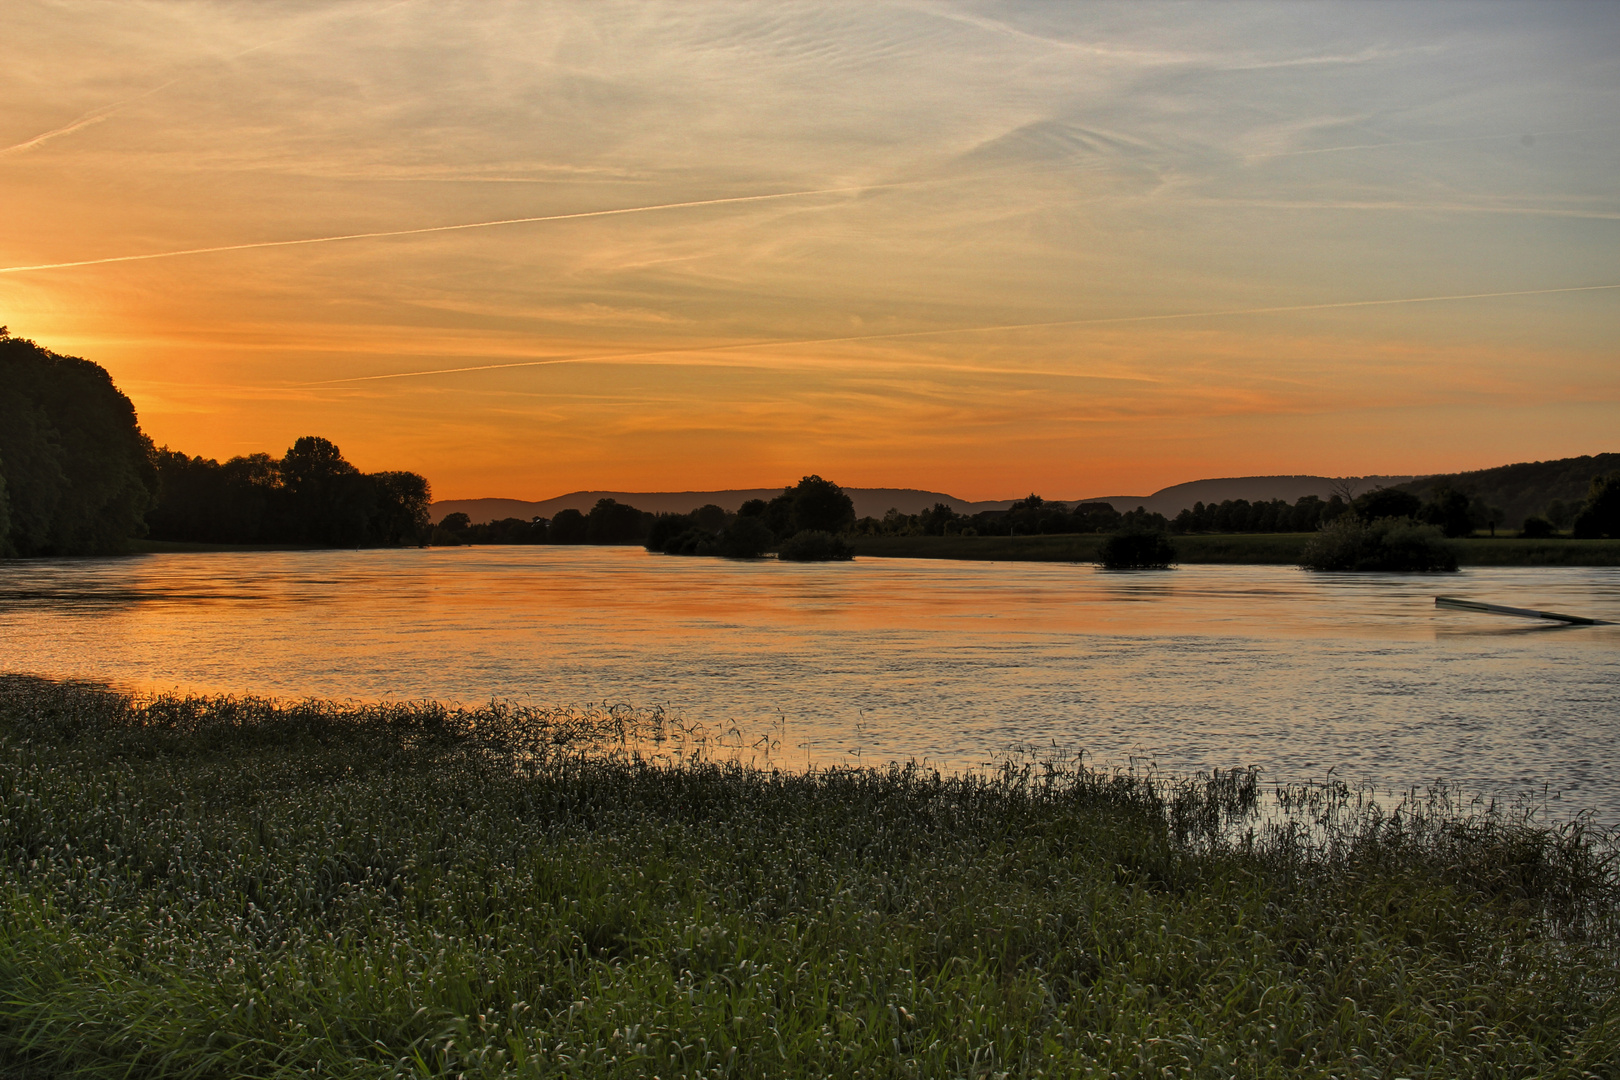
{"points": [[385, 233], [896, 217], [94, 116], [707, 350]]}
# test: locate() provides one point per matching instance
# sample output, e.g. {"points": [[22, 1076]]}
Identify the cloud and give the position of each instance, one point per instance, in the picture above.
{"points": [[382, 234]]}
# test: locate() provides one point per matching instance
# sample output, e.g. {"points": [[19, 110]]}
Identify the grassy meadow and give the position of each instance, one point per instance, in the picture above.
{"points": [[1249, 548], [222, 887]]}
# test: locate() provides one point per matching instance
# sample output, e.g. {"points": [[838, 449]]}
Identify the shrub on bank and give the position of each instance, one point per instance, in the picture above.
{"points": [[744, 538], [813, 545], [1388, 544], [1137, 549]]}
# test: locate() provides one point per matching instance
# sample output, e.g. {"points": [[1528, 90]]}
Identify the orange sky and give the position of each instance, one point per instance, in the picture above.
{"points": [[980, 216]]}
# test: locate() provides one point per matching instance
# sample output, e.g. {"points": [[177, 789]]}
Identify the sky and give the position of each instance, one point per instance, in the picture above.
{"points": [[981, 248]]}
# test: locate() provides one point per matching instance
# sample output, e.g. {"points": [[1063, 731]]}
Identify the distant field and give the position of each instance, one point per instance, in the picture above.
{"points": [[1481, 551], [1244, 548]]}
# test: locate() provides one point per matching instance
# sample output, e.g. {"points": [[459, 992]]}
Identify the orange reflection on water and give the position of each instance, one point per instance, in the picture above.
{"points": [[952, 663]]}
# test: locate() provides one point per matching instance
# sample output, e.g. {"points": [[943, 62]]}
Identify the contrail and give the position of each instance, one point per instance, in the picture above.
{"points": [[94, 116], [438, 228], [604, 358]]}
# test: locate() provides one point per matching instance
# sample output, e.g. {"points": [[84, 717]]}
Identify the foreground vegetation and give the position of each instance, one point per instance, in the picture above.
{"points": [[228, 887]]}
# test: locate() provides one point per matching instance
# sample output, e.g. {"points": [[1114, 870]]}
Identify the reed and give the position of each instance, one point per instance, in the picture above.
{"points": [[224, 886]]}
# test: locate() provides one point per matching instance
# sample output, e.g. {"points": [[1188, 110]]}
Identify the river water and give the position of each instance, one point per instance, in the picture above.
{"points": [[952, 663]]}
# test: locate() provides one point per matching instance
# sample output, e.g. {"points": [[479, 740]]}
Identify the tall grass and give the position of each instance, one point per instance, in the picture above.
{"points": [[218, 887]]}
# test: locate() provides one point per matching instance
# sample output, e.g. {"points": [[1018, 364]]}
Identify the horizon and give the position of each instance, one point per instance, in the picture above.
{"points": [[927, 491], [986, 249]]}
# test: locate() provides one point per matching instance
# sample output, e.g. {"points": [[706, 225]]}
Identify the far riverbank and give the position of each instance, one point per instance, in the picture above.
{"points": [[1253, 549], [1232, 549]]}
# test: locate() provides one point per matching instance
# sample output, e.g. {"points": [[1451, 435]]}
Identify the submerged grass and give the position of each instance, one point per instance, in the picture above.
{"points": [[219, 887]]}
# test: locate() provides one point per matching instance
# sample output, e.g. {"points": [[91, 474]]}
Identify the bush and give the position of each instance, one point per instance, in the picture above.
{"points": [[1137, 549], [1536, 528], [693, 541], [664, 528], [1388, 544], [813, 545], [745, 538]]}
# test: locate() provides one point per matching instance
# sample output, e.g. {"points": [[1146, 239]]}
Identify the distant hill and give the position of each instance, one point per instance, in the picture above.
{"points": [[875, 502], [1173, 500], [869, 502], [1520, 490], [1524, 489]]}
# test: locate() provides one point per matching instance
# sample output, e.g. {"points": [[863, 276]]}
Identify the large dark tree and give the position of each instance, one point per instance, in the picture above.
{"points": [[1601, 515], [327, 501], [568, 527], [820, 506], [1387, 503], [1448, 508], [400, 510], [613, 522], [75, 464]]}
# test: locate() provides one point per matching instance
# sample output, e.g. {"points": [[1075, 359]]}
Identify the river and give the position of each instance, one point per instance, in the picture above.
{"points": [[952, 663]]}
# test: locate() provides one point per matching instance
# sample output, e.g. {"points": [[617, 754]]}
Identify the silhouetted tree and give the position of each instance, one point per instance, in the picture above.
{"points": [[567, 527], [1448, 510], [937, 518], [1137, 548], [400, 514], [327, 502], [613, 522], [1386, 544], [665, 527], [78, 479], [745, 538], [1601, 514], [5, 513], [710, 517], [820, 506], [1536, 528], [778, 515], [814, 545], [308, 496], [1387, 503]]}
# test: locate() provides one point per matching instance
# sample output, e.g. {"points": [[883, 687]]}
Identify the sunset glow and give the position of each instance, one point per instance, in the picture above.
{"points": [[976, 248]]}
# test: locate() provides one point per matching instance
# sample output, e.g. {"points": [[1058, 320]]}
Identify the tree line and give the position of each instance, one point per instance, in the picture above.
{"points": [[309, 496], [807, 522], [820, 508], [1029, 516], [79, 477]]}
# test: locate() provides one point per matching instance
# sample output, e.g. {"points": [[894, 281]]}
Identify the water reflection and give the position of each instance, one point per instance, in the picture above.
{"points": [[887, 659]]}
